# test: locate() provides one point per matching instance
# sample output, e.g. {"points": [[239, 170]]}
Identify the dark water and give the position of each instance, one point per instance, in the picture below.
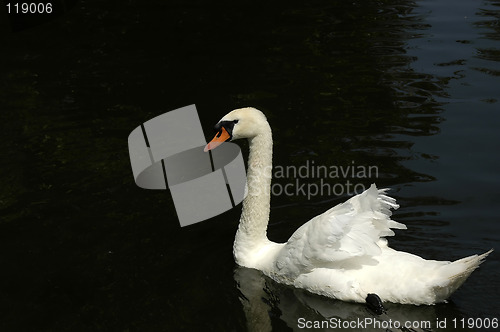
{"points": [[412, 88]]}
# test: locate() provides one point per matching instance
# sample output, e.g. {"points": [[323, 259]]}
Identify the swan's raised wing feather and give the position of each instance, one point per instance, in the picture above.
{"points": [[346, 231]]}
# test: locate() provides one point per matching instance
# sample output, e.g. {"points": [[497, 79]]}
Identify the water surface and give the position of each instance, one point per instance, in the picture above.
{"points": [[408, 87]]}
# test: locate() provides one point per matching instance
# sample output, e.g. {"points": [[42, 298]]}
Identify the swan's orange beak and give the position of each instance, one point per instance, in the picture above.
{"points": [[218, 139]]}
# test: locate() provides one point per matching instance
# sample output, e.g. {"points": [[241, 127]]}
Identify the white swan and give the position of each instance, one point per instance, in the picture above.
{"points": [[341, 253]]}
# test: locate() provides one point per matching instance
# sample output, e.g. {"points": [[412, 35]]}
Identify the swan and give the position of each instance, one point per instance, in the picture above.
{"points": [[341, 253]]}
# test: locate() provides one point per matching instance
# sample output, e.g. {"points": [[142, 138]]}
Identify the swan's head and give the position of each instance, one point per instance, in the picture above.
{"points": [[241, 123]]}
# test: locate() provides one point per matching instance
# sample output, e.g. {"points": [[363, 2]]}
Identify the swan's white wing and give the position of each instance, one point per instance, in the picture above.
{"points": [[346, 231]]}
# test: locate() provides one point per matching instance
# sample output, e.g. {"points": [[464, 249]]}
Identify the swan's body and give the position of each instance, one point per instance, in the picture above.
{"points": [[342, 253]]}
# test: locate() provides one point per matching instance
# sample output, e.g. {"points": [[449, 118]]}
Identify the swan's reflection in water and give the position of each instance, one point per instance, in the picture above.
{"points": [[267, 305]]}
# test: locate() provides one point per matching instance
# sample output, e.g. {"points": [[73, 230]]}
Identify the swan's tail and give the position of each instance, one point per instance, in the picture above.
{"points": [[454, 274]]}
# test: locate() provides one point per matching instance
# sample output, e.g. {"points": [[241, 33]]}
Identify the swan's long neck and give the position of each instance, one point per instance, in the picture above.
{"points": [[252, 231]]}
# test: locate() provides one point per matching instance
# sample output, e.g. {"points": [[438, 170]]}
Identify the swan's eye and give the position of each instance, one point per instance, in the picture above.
{"points": [[225, 126]]}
